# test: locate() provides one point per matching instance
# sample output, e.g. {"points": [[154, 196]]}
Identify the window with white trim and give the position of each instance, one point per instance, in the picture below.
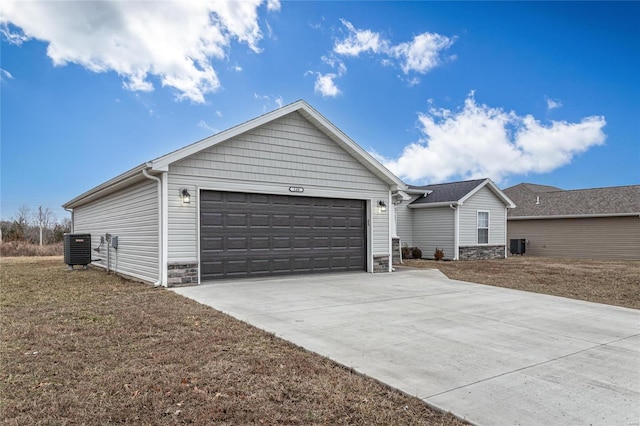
{"points": [[483, 227]]}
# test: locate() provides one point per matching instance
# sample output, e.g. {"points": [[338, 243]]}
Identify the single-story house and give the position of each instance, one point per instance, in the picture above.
{"points": [[287, 192], [601, 223], [467, 220]]}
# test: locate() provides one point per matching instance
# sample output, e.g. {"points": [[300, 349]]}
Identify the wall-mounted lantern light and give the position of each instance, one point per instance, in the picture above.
{"points": [[186, 197], [382, 206]]}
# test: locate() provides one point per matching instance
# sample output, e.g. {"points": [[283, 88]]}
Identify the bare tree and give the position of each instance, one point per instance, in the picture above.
{"points": [[20, 225], [44, 218]]}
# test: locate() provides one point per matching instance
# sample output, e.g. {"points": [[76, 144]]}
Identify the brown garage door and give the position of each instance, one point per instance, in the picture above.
{"points": [[245, 235]]}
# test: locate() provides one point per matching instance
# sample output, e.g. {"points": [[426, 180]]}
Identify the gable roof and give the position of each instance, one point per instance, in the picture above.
{"points": [[595, 202], [455, 193], [161, 164]]}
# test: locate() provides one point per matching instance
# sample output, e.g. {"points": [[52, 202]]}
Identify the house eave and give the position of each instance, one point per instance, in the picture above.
{"points": [[121, 181], [433, 205]]}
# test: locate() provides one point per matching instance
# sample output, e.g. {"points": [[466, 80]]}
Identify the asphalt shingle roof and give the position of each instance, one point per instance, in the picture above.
{"points": [[538, 200], [446, 192]]}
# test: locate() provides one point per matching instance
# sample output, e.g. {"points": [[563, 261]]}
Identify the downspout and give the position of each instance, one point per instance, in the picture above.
{"points": [[391, 217], [456, 240], [160, 269], [72, 222], [506, 211]]}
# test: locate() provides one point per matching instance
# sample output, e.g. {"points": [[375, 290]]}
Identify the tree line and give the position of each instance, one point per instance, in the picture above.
{"points": [[39, 226]]}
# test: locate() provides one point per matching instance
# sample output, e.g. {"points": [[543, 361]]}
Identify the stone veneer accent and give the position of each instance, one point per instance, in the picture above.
{"points": [[380, 263], [182, 274], [396, 257], [481, 252]]}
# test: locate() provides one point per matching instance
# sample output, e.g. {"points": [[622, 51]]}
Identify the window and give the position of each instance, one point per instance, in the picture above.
{"points": [[483, 227]]}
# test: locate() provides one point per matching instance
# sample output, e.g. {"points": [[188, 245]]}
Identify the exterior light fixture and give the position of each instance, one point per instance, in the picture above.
{"points": [[382, 206], [186, 197]]}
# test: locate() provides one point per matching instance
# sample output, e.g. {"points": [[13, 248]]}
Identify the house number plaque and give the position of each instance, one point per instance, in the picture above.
{"points": [[296, 189]]}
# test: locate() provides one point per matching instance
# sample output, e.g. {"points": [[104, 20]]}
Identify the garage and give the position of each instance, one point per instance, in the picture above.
{"points": [[253, 235], [284, 193]]}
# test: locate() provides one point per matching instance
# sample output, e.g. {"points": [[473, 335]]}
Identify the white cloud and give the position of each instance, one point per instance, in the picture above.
{"points": [[481, 141], [552, 103], [203, 124], [273, 5], [5, 75], [422, 54], [170, 40], [325, 85], [359, 41], [268, 103]]}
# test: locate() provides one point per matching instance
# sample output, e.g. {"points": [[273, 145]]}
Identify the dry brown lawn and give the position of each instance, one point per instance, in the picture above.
{"points": [[614, 282], [84, 347]]}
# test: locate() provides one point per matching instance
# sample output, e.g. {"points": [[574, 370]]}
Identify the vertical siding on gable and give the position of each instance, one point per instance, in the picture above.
{"points": [[132, 215], [287, 152], [484, 200], [601, 238], [434, 227]]}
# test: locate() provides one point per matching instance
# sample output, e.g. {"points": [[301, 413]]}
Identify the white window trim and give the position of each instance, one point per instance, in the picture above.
{"points": [[488, 228]]}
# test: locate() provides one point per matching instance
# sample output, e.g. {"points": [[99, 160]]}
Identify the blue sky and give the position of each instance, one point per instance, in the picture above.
{"points": [[542, 92]]}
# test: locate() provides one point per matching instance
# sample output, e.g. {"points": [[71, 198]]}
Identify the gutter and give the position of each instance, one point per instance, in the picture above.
{"points": [[160, 268], [423, 192], [439, 204]]}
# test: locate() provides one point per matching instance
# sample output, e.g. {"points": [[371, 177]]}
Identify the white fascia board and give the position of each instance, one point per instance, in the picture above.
{"points": [[494, 188], [418, 191], [402, 194], [575, 216], [431, 205]]}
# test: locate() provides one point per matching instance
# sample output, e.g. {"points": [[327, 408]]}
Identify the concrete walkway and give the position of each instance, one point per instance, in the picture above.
{"points": [[489, 355]]}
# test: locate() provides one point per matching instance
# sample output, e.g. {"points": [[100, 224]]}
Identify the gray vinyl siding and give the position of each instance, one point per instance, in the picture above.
{"points": [[434, 227], [600, 238], [271, 158], [132, 215], [404, 222], [483, 200]]}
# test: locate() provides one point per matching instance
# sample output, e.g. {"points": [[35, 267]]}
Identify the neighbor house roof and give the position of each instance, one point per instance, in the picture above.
{"points": [[454, 193], [538, 201], [161, 164]]}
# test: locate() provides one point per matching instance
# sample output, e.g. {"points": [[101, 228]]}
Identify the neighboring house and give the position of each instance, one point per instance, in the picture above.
{"points": [[284, 193], [468, 220], [599, 223]]}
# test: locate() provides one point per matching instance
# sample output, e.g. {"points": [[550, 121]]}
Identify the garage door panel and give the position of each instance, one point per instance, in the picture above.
{"points": [[260, 243], [257, 234], [260, 221], [212, 244], [281, 221], [211, 219]]}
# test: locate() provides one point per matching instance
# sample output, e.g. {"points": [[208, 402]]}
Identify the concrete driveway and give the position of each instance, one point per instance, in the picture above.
{"points": [[490, 355]]}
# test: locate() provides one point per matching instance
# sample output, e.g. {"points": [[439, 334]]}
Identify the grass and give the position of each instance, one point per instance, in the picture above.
{"points": [[23, 248], [84, 347], [602, 281]]}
